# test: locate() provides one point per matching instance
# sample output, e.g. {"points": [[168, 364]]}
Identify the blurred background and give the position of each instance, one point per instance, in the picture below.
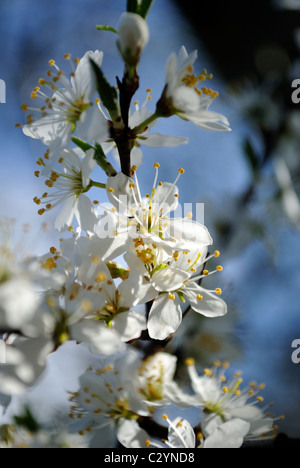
{"points": [[248, 179]]}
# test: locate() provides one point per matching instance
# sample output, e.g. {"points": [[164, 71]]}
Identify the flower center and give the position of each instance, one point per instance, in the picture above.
{"points": [[191, 81]]}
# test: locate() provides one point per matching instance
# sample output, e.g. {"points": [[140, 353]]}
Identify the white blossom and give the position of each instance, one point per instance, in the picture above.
{"points": [[69, 177], [222, 400], [103, 403], [67, 107], [182, 96]]}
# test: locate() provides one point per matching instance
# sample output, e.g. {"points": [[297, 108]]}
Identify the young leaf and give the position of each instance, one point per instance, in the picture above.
{"points": [[107, 92], [105, 27], [82, 144], [133, 6], [102, 161], [145, 7]]}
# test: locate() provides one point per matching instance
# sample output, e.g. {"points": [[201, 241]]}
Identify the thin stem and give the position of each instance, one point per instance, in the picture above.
{"points": [[139, 128], [97, 184]]}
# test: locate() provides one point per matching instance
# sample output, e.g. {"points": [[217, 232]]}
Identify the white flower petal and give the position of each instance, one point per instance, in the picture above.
{"points": [[164, 318], [229, 435], [181, 434], [156, 140], [130, 435], [66, 215], [98, 336], [85, 213], [210, 305], [129, 325], [169, 279]]}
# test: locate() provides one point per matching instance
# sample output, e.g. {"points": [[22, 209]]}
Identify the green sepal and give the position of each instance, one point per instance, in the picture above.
{"points": [[117, 271], [105, 27], [158, 267], [181, 296]]}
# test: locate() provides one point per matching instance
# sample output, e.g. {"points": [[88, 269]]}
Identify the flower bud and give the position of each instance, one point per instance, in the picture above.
{"points": [[133, 37]]}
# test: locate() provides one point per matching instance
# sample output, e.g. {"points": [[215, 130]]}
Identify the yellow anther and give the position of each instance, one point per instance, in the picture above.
{"points": [[156, 165], [149, 90], [147, 443], [181, 171], [110, 190], [131, 185], [225, 389], [199, 297], [24, 107], [165, 417], [41, 211], [218, 291], [260, 399], [67, 56], [262, 386], [189, 215], [51, 63], [217, 253], [225, 364], [190, 361], [205, 272], [207, 372], [172, 297], [219, 268]]}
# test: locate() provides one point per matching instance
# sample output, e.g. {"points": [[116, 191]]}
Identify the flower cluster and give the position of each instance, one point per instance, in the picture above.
{"points": [[130, 270]]}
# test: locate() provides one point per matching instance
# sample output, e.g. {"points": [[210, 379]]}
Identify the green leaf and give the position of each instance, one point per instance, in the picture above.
{"points": [[102, 161], [82, 144], [27, 421], [105, 27], [133, 6], [108, 93], [251, 155], [144, 8]]}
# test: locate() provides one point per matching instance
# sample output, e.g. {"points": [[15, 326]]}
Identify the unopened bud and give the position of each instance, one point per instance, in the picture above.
{"points": [[133, 37]]}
